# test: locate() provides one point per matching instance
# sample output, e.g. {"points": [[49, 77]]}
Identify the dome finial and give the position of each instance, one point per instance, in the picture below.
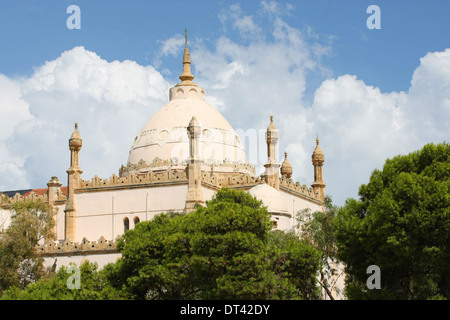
{"points": [[286, 167], [186, 77], [75, 138], [317, 151]]}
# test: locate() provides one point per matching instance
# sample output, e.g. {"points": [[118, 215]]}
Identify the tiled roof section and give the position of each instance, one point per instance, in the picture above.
{"points": [[27, 192], [13, 192], [38, 192]]}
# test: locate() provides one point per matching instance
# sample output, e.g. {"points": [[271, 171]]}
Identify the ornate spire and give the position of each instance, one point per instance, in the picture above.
{"points": [[75, 141], [318, 159], [286, 168], [271, 139], [186, 77], [271, 125], [317, 151], [74, 180], [272, 172]]}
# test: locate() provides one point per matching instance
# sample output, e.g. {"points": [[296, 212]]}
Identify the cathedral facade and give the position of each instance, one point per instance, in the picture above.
{"points": [[185, 153]]}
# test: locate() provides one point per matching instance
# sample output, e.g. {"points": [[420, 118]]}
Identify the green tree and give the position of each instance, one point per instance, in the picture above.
{"points": [[401, 223], [63, 285], [317, 228], [222, 251], [31, 222]]}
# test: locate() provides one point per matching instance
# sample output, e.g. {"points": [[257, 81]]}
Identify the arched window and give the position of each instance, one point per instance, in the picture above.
{"points": [[136, 220], [126, 224]]}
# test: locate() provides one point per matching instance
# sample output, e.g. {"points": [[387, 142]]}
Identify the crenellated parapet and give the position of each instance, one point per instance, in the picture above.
{"points": [[158, 164], [85, 247], [169, 175], [142, 166], [237, 179], [6, 201], [288, 185], [247, 181]]}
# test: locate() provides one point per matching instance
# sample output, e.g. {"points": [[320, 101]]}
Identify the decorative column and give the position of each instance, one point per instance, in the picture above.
{"points": [[74, 179], [54, 189], [318, 159], [271, 174], [195, 194]]}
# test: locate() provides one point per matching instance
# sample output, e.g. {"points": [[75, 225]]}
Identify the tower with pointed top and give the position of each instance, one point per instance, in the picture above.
{"points": [[74, 180], [194, 131], [271, 174], [195, 195], [53, 191], [318, 159]]}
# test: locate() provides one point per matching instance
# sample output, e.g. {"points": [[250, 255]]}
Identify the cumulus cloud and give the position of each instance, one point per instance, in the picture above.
{"points": [[13, 111], [244, 24], [268, 75], [358, 125], [109, 100], [169, 47]]}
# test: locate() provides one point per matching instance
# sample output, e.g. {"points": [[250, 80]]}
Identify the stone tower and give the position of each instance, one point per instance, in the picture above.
{"points": [[272, 172], [318, 160], [74, 179], [194, 172]]}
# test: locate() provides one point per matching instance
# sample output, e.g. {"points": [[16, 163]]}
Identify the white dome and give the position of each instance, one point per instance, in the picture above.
{"points": [[165, 137], [271, 197]]}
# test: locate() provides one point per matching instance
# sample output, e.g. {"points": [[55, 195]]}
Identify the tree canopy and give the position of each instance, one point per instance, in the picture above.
{"points": [[222, 251], [317, 228], [92, 285], [401, 223], [31, 221], [225, 250]]}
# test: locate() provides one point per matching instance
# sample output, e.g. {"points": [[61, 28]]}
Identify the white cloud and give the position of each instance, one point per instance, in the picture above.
{"points": [[13, 109], [359, 126], [429, 98], [244, 24], [170, 47], [110, 100], [262, 77]]}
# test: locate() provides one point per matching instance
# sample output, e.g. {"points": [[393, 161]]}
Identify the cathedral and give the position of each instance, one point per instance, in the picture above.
{"points": [[184, 153]]}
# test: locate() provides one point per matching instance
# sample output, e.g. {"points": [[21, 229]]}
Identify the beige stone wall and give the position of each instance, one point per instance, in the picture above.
{"points": [[5, 219], [100, 259], [102, 213]]}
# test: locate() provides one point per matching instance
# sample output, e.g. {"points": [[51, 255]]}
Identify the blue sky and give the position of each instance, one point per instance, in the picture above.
{"points": [[35, 31], [327, 49]]}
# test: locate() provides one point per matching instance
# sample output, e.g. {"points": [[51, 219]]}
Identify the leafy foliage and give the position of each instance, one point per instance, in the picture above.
{"points": [[401, 223], [318, 230], [31, 222], [93, 286], [222, 251]]}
